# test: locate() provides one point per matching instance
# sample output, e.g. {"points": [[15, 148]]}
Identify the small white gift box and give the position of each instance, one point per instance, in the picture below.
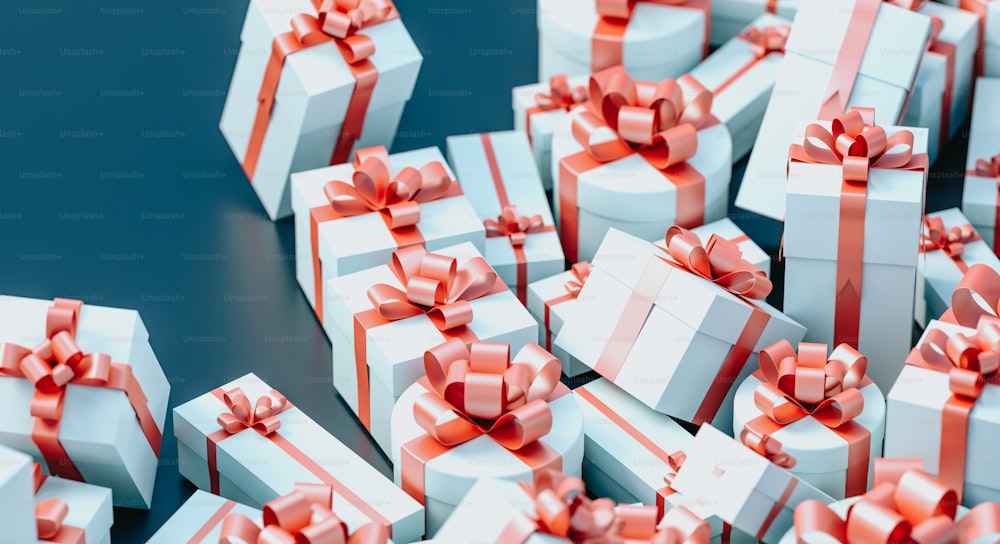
{"points": [[539, 107], [980, 196], [240, 462], [377, 355], [108, 431], [729, 17], [640, 305], [550, 300], [329, 243], [89, 514], [854, 311], [501, 181], [651, 40], [320, 104], [886, 71], [743, 487], [17, 514], [439, 451]]}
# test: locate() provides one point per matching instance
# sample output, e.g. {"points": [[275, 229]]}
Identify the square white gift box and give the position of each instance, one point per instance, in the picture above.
{"points": [[981, 192], [483, 411], [88, 512], [107, 430], [839, 297], [17, 514], [744, 488], [550, 300], [640, 177], [539, 107], [676, 341], [254, 458], [380, 324], [364, 229], [501, 181], [879, 65], [338, 87], [651, 40]]}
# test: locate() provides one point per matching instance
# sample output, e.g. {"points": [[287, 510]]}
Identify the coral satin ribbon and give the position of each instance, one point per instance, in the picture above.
{"points": [[212, 522], [560, 97], [608, 40], [772, 7], [949, 241], [848, 63], [50, 515], [580, 272]]}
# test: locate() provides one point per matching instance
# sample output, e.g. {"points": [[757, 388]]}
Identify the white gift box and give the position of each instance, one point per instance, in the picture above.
{"points": [[740, 102], [885, 77], [992, 52], [822, 454], [729, 17], [538, 125], [659, 40], [17, 514], [89, 507], [924, 109], [364, 241], [893, 218], [484, 513], [448, 477], [743, 487], [938, 274], [979, 195], [312, 97], [253, 468], [99, 429], [519, 186], [690, 331], [550, 298]]}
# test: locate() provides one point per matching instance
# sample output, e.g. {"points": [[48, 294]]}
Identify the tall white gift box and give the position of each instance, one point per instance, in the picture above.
{"points": [[88, 510], [850, 245], [372, 219], [651, 40], [378, 351], [873, 46], [640, 305], [550, 300], [991, 31], [980, 196], [329, 88], [17, 514], [539, 107], [247, 442], [729, 17], [112, 396]]}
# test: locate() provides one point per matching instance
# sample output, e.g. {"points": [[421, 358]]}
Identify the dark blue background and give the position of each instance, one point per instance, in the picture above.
{"points": [[117, 187]]}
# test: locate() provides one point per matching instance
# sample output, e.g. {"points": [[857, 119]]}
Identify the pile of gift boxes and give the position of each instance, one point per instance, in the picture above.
{"points": [[459, 292]]}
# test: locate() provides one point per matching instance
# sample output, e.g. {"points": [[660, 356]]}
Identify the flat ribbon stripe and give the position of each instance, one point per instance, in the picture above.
{"points": [[948, 51], [624, 425], [570, 169], [365, 77], [954, 438], [979, 8], [607, 44], [546, 322], [850, 264], [848, 63], [527, 121], [776, 509], [522, 274], [211, 458], [212, 522], [45, 435], [690, 184], [772, 7], [739, 73], [740, 239]]}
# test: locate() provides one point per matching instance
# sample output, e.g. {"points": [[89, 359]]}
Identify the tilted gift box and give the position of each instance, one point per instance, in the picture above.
{"points": [[641, 305], [640, 177], [836, 214], [879, 67], [333, 86], [17, 514], [371, 220], [106, 418], [88, 513], [378, 349], [980, 197], [651, 39], [247, 442], [550, 300], [483, 411], [730, 17], [539, 107], [501, 181]]}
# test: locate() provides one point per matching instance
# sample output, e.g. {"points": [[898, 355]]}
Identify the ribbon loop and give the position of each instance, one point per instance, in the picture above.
{"points": [[263, 417], [767, 40], [720, 261]]}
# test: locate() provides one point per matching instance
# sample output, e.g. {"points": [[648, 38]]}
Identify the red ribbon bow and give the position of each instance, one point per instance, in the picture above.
{"points": [[581, 271], [376, 190], [767, 40], [980, 282], [720, 261], [341, 20], [263, 418], [904, 505], [303, 516], [513, 226], [767, 446], [988, 168], [560, 96], [970, 361], [952, 241]]}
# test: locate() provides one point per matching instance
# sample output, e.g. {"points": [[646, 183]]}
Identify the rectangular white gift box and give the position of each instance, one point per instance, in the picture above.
{"points": [[659, 40], [395, 350], [506, 175], [938, 274], [253, 468], [894, 208], [17, 514], [99, 429], [538, 124], [979, 195], [913, 423], [312, 97], [89, 507], [549, 302], [364, 241], [486, 510], [992, 52], [689, 332], [742, 487], [887, 73], [729, 17]]}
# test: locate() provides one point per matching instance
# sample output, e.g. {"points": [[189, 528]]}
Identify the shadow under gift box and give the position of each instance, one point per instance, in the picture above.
{"points": [[979, 194], [312, 97]]}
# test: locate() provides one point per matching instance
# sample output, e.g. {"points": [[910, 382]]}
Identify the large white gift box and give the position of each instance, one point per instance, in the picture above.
{"points": [[327, 96], [651, 40], [17, 514], [454, 426], [638, 182], [980, 196], [550, 300], [364, 233], [223, 448], [501, 181], [640, 305], [729, 17], [378, 353], [837, 296], [88, 511], [743, 487], [108, 429], [887, 43], [539, 107]]}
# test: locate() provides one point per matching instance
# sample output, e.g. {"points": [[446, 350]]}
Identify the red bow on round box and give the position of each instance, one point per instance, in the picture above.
{"points": [[719, 261], [951, 241], [303, 516]]}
